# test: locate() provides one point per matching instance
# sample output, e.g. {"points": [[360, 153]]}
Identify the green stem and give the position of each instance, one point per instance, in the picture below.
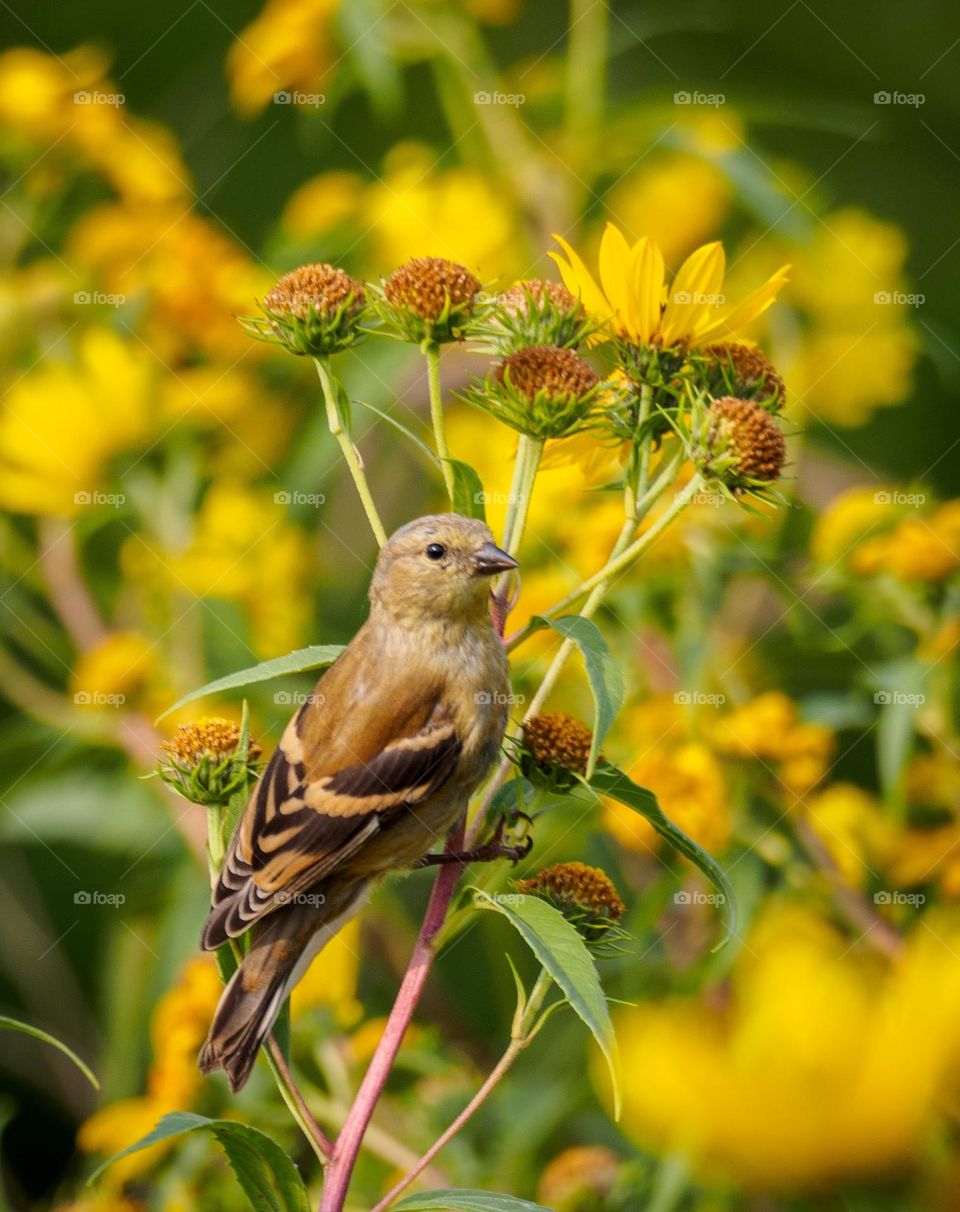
{"points": [[640, 509], [431, 351], [586, 61], [349, 450], [529, 450]]}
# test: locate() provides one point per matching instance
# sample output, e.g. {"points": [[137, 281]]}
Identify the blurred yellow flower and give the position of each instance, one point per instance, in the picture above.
{"points": [[178, 1027], [115, 672], [190, 278], [850, 824], [678, 202], [286, 50], [688, 782], [916, 549], [860, 351], [67, 103], [322, 203], [419, 210], [636, 304], [847, 520], [331, 980], [243, 549], [826, 1064], [63, 422]]}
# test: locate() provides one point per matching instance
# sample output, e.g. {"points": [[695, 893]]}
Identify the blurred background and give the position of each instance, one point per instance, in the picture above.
{"points": [[174, 509]]}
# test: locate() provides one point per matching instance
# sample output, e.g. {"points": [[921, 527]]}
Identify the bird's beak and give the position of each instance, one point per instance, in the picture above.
{"points": [[490, 559]]}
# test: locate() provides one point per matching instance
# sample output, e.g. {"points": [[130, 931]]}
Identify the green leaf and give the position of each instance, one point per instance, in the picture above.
{"points": [[468, 494], [317, 656], [564, 955], [407, 433], [269, 1178], [605, 675], [13, 1024], [466, 1201], [608, 779]]}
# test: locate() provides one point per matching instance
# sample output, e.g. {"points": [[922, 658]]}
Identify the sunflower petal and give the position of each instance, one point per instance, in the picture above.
{"points": [[753, 305], [646, 287], [693, 293], [614, 263], [579, 281]]}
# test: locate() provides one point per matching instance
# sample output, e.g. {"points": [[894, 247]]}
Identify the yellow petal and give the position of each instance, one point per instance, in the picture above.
{"points": [[614, 264], [579, 281], [755, 304], [646, 284], [694, 293]]}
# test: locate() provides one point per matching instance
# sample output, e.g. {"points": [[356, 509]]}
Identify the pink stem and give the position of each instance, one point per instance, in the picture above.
{"points": [[339, 1171]]}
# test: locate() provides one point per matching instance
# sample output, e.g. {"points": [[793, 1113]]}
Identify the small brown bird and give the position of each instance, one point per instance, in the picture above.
{"points": [[370, 773]]}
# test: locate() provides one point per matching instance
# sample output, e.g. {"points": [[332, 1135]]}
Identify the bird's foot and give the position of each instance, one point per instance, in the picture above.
{"points": [[493, 848]]}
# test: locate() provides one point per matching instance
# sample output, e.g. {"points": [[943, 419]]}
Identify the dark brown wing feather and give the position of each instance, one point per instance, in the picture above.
{"points": [[305, 818]]}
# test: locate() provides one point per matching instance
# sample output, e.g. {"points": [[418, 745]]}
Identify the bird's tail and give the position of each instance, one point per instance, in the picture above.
{"points": [[280, 954]]}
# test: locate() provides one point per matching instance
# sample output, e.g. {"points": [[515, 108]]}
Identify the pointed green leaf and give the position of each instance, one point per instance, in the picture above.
{"points": [[269, 1178], [603, 672], [317, 656], [13, 1024], [466, 1201], [610, 780], [564, 955], [468, 495]]}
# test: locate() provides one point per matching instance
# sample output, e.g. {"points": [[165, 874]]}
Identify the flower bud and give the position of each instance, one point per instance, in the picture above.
{"points": [[202, 764], [430, 299], [541, 390], [555, 749], [741, 447], [734, 368], [314, 310], [585, 896], [537, 312]]}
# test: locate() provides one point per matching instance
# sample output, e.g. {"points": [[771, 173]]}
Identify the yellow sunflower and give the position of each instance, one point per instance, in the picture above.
{"points": [[635, 302]]}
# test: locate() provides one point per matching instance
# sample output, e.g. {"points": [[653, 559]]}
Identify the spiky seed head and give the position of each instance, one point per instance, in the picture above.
{"points": [[313, 310], [201, 762], [585, 896], [742, 446], [431, 298], [747, 372]]}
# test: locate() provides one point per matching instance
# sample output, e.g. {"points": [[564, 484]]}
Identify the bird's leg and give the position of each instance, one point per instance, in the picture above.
{"points": [[491, 849]]}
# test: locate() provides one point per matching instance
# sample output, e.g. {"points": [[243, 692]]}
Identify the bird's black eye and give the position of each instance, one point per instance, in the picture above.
{"points": [[436, 551]]}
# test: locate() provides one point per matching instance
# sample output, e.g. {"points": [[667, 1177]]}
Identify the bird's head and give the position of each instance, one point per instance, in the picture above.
{"points": [[438, 566]]}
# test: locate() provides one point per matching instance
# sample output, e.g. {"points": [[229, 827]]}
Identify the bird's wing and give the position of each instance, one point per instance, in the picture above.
{"points": [[305, 818]]}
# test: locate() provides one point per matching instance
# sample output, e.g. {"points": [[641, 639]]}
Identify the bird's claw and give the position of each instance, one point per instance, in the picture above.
{"points": [[493, 848]]}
